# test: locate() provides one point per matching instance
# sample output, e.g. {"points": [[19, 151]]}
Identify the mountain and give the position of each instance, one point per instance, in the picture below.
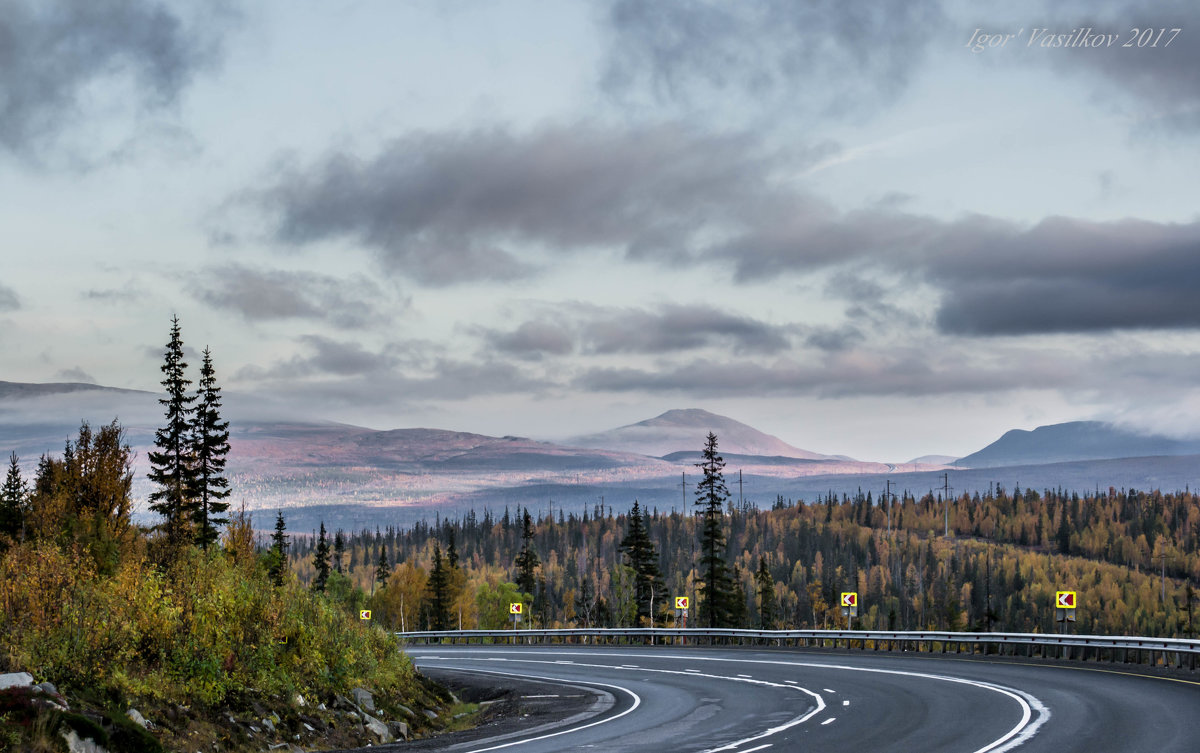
{"points": [[933, 460], [1076, 440], [686, 431], [25, 390]]}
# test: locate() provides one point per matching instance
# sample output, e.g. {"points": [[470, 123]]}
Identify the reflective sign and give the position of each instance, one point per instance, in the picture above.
{"points": [[364, 614], [681, 602], [1064, 599], [849, 598], [515, 607]]}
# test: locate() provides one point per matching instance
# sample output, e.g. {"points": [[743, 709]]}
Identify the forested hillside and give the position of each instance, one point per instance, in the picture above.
{"points": [[1007, 554]]}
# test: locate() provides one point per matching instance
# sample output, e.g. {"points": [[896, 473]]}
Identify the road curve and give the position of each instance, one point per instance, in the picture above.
{"points": [[742, 700]]}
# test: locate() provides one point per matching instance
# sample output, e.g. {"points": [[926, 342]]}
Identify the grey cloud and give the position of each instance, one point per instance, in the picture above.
{"points": [[834, 338], [8, 299], [682, 49], [447, 208], [266, 294], [533, 339], [114, 295], [326, 357], [75, 374], [52, 52]]}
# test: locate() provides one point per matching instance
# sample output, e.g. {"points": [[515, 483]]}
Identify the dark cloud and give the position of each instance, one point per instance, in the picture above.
{"points": [[667, 329], [825, 55], [266, 294], [834, 338], [52, 52], [75, 374], [8, 299], [325, 357], [446, 208]]}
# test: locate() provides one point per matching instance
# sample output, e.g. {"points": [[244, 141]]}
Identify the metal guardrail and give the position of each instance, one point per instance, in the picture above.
{"points": [[1127, 649]]}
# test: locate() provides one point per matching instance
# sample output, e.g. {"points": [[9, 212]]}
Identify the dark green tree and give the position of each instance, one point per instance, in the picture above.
{"points": [[527, 560], [739, 611], [765, 585], [642, 556], [171, 465], [437, 592], [382, 568], [321, 561], [277, 557], [210, 445], [716, 590], [13, 499], [339, 550], [452, 552]]}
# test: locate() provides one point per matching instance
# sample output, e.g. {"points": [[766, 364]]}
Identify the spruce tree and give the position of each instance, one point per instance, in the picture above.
{"points": [[451, 552], [711, 495], [643, 558], [171, 466], [766, 595], [278, 554], [321, 561], [382, 569], [527, 560], [438, 592], [210, 445], [339, 550], [12, 502]]}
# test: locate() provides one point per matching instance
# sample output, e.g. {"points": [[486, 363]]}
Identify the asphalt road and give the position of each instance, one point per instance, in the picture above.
{"points": [[742, 700]]}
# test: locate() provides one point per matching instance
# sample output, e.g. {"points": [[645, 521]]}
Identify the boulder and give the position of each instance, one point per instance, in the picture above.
{"points": [[138, 719], [431, 713], [77, 744], [269, 725], [16, 680], [405, 710], [377, 728], [399, 729], [299, 700], [47, 687], [363, 698]]}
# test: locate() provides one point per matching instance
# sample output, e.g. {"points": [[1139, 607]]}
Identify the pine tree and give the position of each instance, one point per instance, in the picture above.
{"points": [[438, 592], [766, 595], [452, 552], [13, 499], [527, 561], [321, 561], [382, 569], [711, 495], [210, 445], [339, 550], [278, 555], [643, 558], [171, 466]]}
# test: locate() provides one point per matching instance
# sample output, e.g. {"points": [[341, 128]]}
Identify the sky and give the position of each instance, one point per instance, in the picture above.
{"points": [[876, 229]]}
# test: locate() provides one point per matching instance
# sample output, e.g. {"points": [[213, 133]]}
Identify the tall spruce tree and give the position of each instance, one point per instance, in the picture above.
{"points": [[527, 560], [451, 551], [321, 561], [339, 550], [13, 499], [711, 494], [382, 568], [765, 585], [210, 445], [171, 466], [643, 558], [438, 592], [277, 557]]}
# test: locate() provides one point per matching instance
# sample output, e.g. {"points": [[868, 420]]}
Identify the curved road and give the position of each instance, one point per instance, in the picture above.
{"points": [[742, 700]]}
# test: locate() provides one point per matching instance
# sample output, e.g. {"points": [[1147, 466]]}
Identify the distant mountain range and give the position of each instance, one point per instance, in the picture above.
{"points": [[359, 475], [687, 430], [1076, 440]]}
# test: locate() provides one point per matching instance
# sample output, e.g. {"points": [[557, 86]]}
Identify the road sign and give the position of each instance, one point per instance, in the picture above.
{"points": [[364, 614], [849, 599], [515, 607], [681, 602], [1064, 599]]}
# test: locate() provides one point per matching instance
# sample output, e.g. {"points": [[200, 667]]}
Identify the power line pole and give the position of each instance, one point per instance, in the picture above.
{"points": [[683, 489], [946, 501], [1163, 557], [889, 499], [739, 488]]}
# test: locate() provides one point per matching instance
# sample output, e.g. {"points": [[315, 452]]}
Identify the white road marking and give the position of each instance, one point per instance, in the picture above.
{"points": [[845, 703], [827, 690], [830, 720], [790, 682], [691, 670], [745, 675], [761, 747], [541, 696]]}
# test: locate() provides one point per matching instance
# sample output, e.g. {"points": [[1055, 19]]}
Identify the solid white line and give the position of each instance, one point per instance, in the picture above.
{"points": [[761, 747], [637, 701], [1019, 734], [830, 720]]}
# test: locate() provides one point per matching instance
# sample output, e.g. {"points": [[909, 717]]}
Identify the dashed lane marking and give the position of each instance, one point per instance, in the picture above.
{"points": [[830, 720]]}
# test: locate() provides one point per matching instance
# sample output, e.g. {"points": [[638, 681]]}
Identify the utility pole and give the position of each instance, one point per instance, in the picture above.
{"points": [[1163, 557], [946, 501], [739, 488], [889, 500], [683, 490]]}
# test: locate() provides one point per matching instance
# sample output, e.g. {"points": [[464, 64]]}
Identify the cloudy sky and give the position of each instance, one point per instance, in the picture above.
{"points": [[840, 222]]}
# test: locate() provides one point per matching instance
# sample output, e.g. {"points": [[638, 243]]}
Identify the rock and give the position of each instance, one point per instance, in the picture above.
{"points": [[46, 687], [431, 713], [353, 715], [309, 727], [76, 744], [406, 711], [341, 700], [269, 725], [138, 719], [16, 680], [399, 729], [321, 707], [363, 698], [299, 700], [378, 728]]}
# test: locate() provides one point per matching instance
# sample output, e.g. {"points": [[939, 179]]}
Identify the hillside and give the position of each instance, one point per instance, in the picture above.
{"points": [[1076, 440], [685, 430]]}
